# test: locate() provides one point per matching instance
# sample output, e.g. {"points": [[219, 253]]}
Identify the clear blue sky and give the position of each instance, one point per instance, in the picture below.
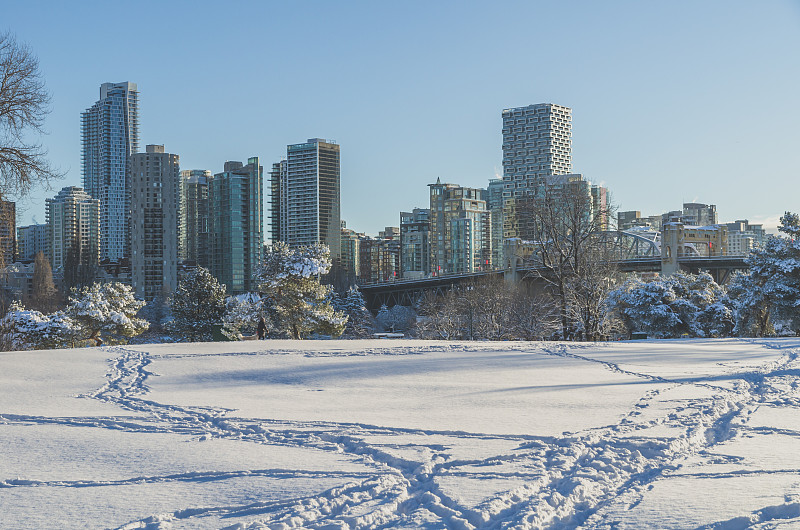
{"points": [[672, 101]]}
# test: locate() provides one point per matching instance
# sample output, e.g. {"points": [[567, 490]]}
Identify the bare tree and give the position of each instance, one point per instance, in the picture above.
{"points": [[488, 309], [564, 228], [23, 106]]}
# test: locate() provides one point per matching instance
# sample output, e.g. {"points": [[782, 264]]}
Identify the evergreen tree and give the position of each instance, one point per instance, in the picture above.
{"points": [[44, 297], [197, 306], [106, 313], [241, 315], [360, 322], [770, 290], [299, 304]]}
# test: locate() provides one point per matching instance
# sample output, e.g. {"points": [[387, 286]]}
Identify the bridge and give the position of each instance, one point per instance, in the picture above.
{"points": [[638, 251]]}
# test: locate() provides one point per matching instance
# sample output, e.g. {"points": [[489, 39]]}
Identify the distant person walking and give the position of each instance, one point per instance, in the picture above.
{"points": [[262, 328]]}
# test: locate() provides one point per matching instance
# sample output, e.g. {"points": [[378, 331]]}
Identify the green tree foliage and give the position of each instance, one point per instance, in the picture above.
{"points": [[299, 305], [197, 306]]}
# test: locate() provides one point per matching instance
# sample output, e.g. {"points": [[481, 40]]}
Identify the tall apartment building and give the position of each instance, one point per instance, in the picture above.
{"points": [[155, 199], [236, 214], [460, 229], [30, 240], [378, 259], [194, 218], [73, 229], [495, 204], [415, 246], [349, 251], [8, 232], [305, 203], [109, 135], [537, 143], [600, 206]]}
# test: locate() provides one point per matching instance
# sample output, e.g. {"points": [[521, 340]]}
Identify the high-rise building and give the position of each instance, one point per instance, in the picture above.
{"points": [[110, 134], [30, 240], [600, 206], [236, 214], [378, 259], [194, 220], [155, 199], [349, 253], [73, 229], [305, 200], [495, 203], [415, 247], [460, 229], [8, 232], [537, 143]]}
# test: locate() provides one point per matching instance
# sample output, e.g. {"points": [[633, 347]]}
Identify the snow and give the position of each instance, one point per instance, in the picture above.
{"points": [[701, 433]]}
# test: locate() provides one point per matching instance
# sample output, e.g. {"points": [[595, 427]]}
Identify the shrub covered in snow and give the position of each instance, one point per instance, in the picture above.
{"points": [[106, 313], [23, 329], [674, 306], [197, 306], [298, 304]]}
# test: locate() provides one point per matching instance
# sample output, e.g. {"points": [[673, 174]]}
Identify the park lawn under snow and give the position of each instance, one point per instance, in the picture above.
{"points": [[403, 434]]}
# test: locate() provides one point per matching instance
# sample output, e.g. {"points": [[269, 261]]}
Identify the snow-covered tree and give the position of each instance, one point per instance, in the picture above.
{"points": [[770, 290], [673, 306], [360, 322], [396, 318], [23, 329], [106, 313], [197, 306], [299, 305], [241, 315]]}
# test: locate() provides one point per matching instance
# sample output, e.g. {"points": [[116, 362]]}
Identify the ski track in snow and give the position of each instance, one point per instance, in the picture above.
{"points": [[567, 479]]}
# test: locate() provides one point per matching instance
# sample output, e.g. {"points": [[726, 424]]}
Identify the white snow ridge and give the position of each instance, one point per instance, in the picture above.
{"points": [[696, 434]]}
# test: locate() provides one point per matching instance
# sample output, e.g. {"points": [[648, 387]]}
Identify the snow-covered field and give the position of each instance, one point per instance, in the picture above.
{"points": [[403, 434]]}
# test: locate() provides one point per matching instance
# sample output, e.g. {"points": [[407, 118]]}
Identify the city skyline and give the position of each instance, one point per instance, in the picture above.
{"points": [[671, 104]]}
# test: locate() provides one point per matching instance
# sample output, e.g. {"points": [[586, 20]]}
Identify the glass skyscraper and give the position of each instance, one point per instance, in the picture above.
{"points": [[110, 134], [236, 198]]}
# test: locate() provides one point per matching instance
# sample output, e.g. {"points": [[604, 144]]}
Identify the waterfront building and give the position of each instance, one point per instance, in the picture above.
{"points": [[460, 229], [415, 248], [155, 186], [109, 135]]}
